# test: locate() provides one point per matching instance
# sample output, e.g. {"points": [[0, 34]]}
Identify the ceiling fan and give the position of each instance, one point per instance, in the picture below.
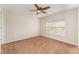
{"points": [[40, 9]]}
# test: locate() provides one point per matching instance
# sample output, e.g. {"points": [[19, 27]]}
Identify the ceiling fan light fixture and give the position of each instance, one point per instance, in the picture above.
{"points": [[39, 11]]}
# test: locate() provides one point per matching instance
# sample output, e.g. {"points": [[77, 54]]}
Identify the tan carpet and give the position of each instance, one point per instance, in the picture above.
{"points": [[39, 44]]}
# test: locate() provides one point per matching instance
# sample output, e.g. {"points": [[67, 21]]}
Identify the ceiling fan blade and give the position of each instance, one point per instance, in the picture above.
{"points": [[33, 10], [45, 8], [37, 6]]}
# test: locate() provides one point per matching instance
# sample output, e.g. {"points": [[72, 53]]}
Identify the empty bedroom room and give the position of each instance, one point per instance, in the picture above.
{"points": [[39, 28]]}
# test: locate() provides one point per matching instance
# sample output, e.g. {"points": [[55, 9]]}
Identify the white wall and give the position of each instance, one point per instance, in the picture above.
{"points": [[70, 18], [71, 26], [27, 25], [20, 25], [0, 31], [78, 26]]}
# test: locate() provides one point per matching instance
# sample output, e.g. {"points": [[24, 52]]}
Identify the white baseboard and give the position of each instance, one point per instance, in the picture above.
{"points": [[63, 39], [21, 38]]}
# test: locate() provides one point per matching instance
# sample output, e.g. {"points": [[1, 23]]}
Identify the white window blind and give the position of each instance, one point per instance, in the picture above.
{"points": [[55, 28]]}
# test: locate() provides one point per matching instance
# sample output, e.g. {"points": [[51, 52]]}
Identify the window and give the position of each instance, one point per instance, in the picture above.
{"points": [[55, 28]]}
